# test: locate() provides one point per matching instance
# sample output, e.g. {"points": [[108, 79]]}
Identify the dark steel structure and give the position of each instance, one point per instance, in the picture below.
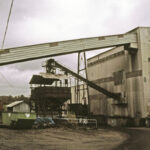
{"points": [[47, 97]]}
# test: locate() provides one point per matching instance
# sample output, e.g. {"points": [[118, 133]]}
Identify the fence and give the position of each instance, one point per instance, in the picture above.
{"points": [[80, 121]]}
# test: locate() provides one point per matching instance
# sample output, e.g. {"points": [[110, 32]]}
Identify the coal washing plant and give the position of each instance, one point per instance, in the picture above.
{"points": [[117, 82]]}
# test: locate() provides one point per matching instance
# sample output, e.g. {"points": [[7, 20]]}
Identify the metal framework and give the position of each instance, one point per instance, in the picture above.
{"points": [[82, 70]]}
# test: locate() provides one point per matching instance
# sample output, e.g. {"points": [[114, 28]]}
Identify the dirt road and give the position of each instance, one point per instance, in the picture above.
{"points": [[60, 139], [139, 139]]}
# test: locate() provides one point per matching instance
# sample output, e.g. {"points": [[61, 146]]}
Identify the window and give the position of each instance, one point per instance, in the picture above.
{"points": [[118, 77]]}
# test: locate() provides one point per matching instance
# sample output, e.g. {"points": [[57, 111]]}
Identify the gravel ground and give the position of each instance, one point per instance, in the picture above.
{"points": [[139, 139], [61, 139]]}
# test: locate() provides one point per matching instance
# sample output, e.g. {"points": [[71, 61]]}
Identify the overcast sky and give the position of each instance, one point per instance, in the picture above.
{"points": [[40, 21]]}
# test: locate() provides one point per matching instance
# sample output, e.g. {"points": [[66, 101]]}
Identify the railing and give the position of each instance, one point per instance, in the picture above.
{"points": [[79, 121]]}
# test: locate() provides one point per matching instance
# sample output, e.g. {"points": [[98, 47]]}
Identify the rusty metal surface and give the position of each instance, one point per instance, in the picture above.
{"points": [[51, 93]]}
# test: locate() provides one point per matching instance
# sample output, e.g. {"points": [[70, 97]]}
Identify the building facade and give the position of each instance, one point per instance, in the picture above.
{"points": [[124, 70]]}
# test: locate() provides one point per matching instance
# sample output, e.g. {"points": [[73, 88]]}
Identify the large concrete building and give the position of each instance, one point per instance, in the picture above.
{"points": [[124, 70]]}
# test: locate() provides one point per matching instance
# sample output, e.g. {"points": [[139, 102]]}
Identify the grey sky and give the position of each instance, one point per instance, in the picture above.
{"points": [[40, 21]]}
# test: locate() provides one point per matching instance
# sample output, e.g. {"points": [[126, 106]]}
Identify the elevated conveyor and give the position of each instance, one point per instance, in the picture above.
{"points": [[31, 52], [52, 63]]}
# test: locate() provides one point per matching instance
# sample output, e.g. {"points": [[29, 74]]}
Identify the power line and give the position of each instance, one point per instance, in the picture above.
{"points": [[7, 24], [10, 84], [6, 80]]}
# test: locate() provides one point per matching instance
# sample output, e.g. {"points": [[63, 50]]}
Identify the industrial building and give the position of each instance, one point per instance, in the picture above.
{"points": [[118, 80], [126, 71]]}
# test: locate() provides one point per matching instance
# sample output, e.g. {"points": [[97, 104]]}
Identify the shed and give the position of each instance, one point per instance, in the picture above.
{"points": [[17, 106]]}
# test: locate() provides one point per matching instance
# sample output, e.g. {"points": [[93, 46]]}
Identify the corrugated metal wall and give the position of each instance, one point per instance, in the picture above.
{"points": [[120, 71], [107, 71], [23, 107]]}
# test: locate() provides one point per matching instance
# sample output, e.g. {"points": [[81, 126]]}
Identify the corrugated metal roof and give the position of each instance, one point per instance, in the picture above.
{"points": [[14, 103]]}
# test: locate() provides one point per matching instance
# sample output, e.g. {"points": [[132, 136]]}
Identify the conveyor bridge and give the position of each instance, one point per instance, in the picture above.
{"points": [[52, 63]]}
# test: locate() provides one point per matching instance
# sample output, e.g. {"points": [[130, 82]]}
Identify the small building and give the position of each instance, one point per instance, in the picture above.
{"points": [[18, 114], [17, 106]]}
